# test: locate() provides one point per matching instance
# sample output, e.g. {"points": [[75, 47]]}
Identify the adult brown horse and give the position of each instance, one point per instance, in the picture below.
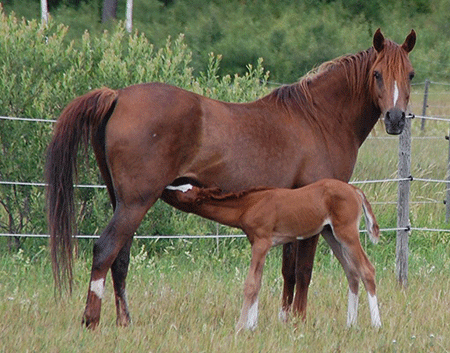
{"points": [[148, 136]]}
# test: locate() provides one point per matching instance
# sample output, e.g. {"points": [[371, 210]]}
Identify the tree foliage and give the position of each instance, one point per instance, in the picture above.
{"points": [[291, 36]]}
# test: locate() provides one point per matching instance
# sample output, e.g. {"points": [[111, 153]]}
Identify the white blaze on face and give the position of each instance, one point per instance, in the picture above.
{"points": [[395, 93], [98, 287]]}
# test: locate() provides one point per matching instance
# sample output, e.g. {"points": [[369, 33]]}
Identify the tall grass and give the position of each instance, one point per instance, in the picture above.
{"points": [[190, 303]]}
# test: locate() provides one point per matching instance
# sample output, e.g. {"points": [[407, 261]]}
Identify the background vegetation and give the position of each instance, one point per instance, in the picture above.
{"points": [[291, 36], [42, 68]]}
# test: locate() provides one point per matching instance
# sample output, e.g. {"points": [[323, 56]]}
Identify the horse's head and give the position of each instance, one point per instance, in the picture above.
{"points": [[391, 76]]}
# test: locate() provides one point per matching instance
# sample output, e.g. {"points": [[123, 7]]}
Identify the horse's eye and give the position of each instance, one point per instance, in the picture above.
{"points": [[377, 75], [411, 75]]}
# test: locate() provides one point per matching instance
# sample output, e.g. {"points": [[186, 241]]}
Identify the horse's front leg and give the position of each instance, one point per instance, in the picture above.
{"points": [[249, 312], [306, 250], [288, 271]]}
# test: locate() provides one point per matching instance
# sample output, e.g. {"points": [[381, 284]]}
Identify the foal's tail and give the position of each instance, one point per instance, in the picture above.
{"points": [[83, 118], [371, 223]]}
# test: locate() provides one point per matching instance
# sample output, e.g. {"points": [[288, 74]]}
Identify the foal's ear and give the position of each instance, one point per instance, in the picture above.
{"points": [[378, 40], [410, 41]]}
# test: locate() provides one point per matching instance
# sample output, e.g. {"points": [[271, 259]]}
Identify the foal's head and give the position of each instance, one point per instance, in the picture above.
{"points": [[391, 76]]}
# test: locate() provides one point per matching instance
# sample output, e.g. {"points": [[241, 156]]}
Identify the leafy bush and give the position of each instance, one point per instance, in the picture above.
{"points": [[41, 73]]}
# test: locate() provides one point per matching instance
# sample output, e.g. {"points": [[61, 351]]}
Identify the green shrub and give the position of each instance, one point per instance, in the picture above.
{"points": [[41, 73]]}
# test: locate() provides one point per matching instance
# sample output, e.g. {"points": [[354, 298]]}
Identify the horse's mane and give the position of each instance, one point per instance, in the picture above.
{"points": [[298, 95]]}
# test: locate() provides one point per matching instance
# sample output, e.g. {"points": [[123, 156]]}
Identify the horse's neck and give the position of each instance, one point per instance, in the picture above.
{"points": [[341, 111]]}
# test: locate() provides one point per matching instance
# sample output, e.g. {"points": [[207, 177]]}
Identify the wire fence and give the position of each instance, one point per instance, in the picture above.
{"points": [[408, 179], [219, 236]]}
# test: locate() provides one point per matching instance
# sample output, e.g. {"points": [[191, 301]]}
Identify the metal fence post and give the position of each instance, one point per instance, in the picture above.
{"points": [[425, 103], [403, 225]]}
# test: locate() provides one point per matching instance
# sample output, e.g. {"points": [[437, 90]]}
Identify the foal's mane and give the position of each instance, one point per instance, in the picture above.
{"points": [[216, 194]]}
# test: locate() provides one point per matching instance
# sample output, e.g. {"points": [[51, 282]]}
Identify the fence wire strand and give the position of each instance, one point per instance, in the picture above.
{"points": [[39, 184]]}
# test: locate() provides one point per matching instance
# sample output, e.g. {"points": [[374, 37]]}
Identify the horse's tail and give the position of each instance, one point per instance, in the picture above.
{"points": [[371, 223], [84, 117]]}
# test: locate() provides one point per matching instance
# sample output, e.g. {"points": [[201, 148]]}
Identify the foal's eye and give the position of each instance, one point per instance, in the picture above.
{"points": [[377, 75], [411, 75]]}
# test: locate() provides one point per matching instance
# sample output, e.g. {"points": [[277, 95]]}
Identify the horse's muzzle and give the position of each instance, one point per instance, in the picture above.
{"points": [[394, 121]]}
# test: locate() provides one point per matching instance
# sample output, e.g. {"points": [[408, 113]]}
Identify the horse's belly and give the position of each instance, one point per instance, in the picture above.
{"points": [[237, 175], [299, 226]]}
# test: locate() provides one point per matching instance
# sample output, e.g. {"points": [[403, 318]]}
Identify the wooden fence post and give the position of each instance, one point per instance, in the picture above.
{"points": [[44, 11], [447, 191], [129, 16], [425, 103], [403, 225]]}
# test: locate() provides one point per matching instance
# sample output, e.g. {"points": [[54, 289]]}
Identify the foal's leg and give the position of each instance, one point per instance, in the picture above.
{"points": [[119, 270], [117, 235], [249, 312], [367, 273], [359, 266], [350, 272]]}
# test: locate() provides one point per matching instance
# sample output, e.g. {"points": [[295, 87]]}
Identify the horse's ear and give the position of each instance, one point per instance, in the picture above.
{"points": [[410, 41], [378, 40]]}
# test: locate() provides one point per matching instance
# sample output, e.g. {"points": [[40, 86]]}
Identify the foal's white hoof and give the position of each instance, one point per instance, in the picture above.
{"points": [[283, 315]]}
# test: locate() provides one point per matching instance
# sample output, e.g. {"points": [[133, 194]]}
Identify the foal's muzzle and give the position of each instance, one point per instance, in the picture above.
{"points": [[394, 121]]}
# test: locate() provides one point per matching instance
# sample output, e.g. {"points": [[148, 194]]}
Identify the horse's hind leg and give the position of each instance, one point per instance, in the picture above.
{"points": [[119, 270], [115, 239]]}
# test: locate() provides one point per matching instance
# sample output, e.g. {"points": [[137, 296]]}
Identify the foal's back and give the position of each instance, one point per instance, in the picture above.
{"points": [[303, 212]]}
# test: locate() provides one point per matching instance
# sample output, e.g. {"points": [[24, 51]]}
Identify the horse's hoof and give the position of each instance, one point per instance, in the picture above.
{"points": [[90, 324], [123, 321]]}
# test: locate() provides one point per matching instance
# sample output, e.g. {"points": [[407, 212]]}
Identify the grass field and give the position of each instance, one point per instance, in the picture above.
{"points": [[185, 296], [190, 303]]}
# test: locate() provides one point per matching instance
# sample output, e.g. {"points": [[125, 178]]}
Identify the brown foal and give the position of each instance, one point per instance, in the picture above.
{"points": [[271, 216]]}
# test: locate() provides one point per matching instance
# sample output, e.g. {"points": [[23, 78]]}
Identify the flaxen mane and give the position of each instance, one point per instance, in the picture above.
{"points": [[356, 68]]}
